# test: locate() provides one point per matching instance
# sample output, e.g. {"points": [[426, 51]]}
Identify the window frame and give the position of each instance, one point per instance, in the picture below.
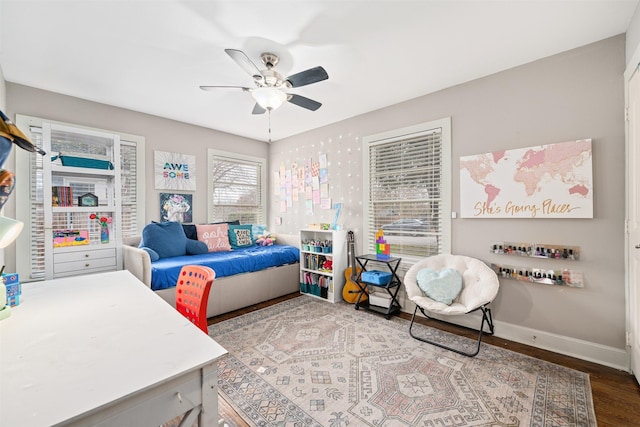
{"points": [[240, 158], [397, 135]]}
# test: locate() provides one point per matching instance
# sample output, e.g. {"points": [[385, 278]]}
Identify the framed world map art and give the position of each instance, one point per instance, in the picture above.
{"points": [[545, 181]]}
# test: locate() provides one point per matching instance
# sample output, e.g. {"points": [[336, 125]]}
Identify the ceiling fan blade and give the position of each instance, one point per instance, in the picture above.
{"points": [[224, 87], [244, 62], [257, 109], [303, 102], [312, 75]]}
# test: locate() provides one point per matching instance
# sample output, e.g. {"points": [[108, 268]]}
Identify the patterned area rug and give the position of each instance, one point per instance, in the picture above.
{"points": [[306, 362]]}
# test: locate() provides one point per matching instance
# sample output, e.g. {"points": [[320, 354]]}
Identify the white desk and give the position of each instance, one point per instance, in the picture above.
{"points": [[103, 350]]}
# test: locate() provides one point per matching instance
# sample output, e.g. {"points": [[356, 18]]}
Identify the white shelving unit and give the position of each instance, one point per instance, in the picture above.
{"points": [[315, 278], [84, 252]]}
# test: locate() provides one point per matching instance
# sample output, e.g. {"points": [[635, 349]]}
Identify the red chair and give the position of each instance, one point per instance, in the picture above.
{"points": [[192, 293]]}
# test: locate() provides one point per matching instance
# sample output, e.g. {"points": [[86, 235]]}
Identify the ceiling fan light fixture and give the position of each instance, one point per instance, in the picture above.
{"points": [[269, 98]]}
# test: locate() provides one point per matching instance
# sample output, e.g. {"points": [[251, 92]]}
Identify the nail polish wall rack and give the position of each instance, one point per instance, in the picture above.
{"points": [[536, 250], [558, 277]]}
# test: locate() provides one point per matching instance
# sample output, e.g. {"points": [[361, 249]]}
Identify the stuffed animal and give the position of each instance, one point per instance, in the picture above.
{"points": [[266, 239]]}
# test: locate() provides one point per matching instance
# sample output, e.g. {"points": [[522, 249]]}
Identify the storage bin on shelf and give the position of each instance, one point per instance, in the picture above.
{"points": [[376, 277], [84, 160]]}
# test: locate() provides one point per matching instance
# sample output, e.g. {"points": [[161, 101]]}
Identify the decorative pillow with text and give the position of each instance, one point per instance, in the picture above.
{"points": [[240, 236], [215, 236]]}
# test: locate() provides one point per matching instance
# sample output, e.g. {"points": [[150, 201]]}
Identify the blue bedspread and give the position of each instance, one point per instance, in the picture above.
{"points": [[164, 272]]}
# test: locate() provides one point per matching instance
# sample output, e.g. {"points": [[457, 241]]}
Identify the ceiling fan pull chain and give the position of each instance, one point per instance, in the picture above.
{"points": [[269, 112]]}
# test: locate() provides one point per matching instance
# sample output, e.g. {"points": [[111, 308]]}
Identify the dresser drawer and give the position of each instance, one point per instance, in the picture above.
{"points": [[89, 254], [84, 271], [83, 265]]}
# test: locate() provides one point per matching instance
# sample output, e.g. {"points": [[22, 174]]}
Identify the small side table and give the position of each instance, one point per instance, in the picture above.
{"points": [[391, 288]]}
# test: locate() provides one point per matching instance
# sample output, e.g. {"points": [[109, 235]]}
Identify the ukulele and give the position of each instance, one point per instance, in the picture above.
{"points": [[351, 290]]}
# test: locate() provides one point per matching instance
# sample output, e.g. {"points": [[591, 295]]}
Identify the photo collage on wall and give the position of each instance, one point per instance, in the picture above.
{"points": [[308, 181]]}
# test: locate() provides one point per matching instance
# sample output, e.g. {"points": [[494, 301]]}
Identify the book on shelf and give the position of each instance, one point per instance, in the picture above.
{"points": [[61, 196]]}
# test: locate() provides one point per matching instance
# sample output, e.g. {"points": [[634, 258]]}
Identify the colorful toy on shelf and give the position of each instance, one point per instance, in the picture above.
{"points": [[383, 249]]}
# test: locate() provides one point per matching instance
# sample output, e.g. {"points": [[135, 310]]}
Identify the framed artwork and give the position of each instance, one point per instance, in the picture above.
{"points": [[88, 199], [544, 181], [175, 171], [63, 238], [176, 207]]}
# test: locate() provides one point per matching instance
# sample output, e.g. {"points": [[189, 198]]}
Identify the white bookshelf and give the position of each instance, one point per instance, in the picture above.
{"points": [[316, 248]]}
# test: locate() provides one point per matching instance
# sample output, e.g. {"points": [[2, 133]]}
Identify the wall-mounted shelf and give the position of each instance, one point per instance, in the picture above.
{"points": [[536, 250], [557, 277]]}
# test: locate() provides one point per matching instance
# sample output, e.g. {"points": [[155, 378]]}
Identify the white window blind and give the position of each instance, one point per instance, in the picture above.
{"points": [[36, 210], [129, 192], [408, 190], [237, 188]]}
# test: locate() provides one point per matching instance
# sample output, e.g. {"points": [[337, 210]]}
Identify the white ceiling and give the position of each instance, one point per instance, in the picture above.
{"points": [[152, 56]]}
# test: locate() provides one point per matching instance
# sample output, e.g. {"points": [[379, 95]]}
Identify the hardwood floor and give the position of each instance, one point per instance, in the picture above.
{"points": [[616, 394]]}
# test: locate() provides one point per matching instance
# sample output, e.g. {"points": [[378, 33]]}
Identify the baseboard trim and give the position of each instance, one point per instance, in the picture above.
{"points": [[592, 352]]}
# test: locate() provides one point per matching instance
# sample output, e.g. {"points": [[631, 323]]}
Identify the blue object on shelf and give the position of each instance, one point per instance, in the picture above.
{"points": [[376, 277], [83, 162]]}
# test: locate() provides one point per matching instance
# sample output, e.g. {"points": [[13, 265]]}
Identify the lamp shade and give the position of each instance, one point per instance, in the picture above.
{"points": [[11, 133], [269, 98], [9, 230]]}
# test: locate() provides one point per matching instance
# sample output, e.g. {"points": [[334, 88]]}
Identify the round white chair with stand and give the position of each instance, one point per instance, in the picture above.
{"points": [[480, 286]]}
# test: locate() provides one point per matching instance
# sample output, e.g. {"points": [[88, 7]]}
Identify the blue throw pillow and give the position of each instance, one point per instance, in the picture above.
{"points": [[257, 230], [240, 236], [167, 239], [443, 286], [196, 247], [152, 254]]}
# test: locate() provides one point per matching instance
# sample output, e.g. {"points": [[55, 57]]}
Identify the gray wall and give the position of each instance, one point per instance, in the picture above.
{"points": [[574, 95], [633, 35]]}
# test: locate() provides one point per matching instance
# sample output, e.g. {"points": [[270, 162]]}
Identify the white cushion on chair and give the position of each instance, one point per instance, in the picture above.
{"points": [[480, 284]]}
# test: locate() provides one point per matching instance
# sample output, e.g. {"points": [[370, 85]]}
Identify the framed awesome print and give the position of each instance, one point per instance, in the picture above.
{"points": [[175, 171]]}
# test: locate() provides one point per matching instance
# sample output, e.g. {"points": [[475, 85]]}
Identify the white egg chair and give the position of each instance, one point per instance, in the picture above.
{"points": [[480, 286]]}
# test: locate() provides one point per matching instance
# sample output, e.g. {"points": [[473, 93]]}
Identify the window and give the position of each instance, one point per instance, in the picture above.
{"points": [[30, 246], [408, 189], [236, 188]]}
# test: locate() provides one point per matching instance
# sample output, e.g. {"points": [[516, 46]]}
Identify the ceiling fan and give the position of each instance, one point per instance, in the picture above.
{"points": [[271, 87]]}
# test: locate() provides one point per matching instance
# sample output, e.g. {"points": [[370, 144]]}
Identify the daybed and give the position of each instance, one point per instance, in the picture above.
{"points": [[230, 290]]}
